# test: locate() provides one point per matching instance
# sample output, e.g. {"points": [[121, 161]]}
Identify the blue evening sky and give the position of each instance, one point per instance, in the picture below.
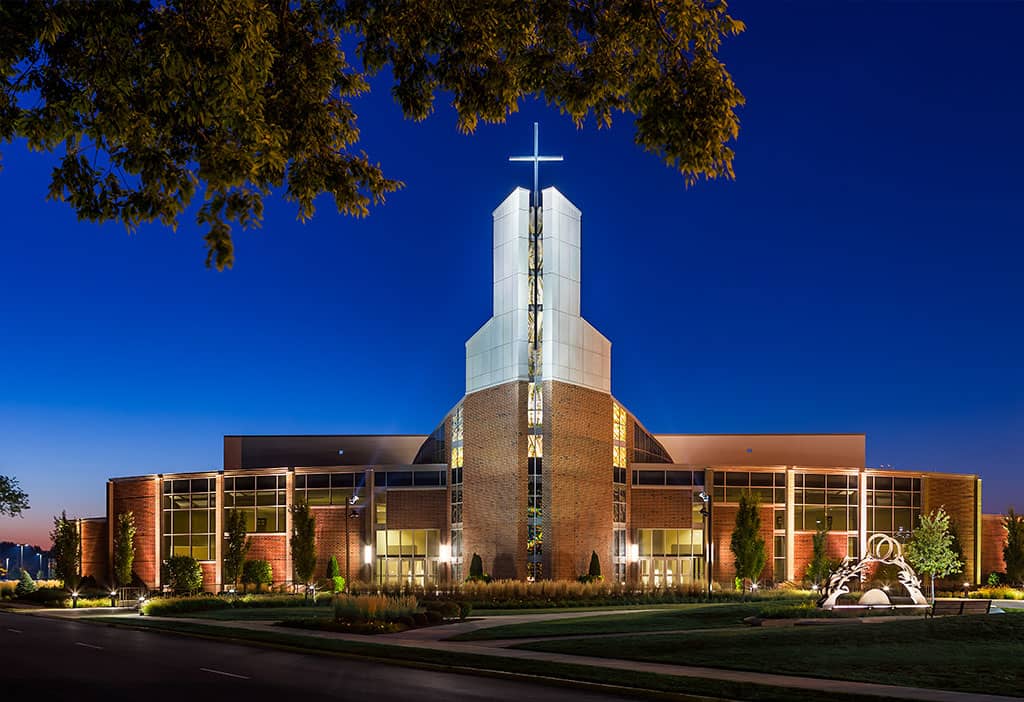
{"points": [[861, 274]]}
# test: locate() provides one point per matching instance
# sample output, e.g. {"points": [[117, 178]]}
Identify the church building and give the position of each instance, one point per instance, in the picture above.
{"points": [[537, 466]]}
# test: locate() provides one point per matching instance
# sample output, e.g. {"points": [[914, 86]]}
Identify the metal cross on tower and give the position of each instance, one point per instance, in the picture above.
{"points": [[536, 159]]}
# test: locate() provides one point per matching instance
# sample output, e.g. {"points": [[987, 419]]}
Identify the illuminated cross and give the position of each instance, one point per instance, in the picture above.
{"points": [[536, 159]]}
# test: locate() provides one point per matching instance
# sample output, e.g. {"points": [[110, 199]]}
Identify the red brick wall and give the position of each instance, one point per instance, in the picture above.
{"points": [[94, 550], [803, 550], [957, 495], [723, 521], [330, 540], [210, 583], [657, 509], [272, 548], [494, 483], [577, 478], [138, 495], [993, 538], [418, 509]]}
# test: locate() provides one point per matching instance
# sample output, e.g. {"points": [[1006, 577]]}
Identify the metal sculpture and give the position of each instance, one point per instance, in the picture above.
{"points": [[880, 548]]}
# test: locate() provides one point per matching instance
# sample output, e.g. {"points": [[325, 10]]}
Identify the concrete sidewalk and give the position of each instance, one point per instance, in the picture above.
{"points": [[483, 649]]}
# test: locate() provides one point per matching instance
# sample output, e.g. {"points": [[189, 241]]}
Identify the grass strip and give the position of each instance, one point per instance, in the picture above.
{"points": [[649, 685], [699, 616], [979, 654]]}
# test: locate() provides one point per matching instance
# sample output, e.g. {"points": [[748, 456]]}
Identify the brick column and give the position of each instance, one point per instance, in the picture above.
{"points": [[289, 501], [111, 526], [790, 524], [158, 539], [219, 531], [862, 510]]}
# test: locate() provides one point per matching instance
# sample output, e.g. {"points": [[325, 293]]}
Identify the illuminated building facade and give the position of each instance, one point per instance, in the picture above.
{"points": [[535, 467]]}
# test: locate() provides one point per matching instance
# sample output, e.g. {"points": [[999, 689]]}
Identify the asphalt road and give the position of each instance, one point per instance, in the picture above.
{"points": [[74, 660]]}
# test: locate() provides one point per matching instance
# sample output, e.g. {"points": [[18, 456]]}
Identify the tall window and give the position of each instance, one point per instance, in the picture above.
{"points": [[894, 505], [779, 557], [619, 492], [321, 489], [457, 460], [829, 500], [769, 487], [262, 500], [189, 518]]}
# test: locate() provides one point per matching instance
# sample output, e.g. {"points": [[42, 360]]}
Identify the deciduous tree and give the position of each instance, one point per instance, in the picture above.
{"points": [[184, 575], [67, 550], [1013, 550], [303, 543], [236, 545], [124, 548], [747, 544], [149, 104], [930, 550], [257, 572], [13, 500], [819, 567]]}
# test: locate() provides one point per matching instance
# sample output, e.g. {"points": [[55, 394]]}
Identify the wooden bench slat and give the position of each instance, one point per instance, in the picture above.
{"points": [[960, 607]]}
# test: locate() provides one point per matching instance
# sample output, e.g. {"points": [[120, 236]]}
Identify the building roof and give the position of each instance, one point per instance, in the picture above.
{"points": [[320, 450]]}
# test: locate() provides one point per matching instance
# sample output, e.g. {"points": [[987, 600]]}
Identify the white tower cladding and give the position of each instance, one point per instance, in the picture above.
{"points": [[572, 351]]}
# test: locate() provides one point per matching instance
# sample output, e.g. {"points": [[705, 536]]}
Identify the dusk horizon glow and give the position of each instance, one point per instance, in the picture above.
{"points": [[861, 275]]}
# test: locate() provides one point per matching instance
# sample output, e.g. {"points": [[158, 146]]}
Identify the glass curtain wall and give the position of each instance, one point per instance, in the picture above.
{"points": [[189, 518]]}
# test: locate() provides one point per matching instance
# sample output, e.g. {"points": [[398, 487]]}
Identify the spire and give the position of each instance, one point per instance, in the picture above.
{"points": [[536, 159]]}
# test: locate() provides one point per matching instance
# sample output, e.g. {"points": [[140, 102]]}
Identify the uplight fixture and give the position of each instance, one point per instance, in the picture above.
{"points": [[368, 554]]}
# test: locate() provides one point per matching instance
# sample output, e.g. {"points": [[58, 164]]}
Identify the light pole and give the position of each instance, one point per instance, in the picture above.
{"points": [[350, 513], [21, 557], [40, 557], [705, 513]]}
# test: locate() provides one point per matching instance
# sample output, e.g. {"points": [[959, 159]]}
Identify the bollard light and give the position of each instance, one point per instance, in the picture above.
{"points": [[113, 598], [74, 599]]}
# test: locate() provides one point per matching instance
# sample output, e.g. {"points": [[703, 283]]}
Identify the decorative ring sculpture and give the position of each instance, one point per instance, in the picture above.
{"points": [[880, 548]]}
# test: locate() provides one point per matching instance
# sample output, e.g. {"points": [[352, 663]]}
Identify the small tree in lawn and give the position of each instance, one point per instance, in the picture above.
{"points": [[594, 571], [1013, 551], [257, 572], [303, 543], [476, 569], [747, 544], [184, 575], [819, 567], [67, 550], [124, 548], [930, 550], [236, 545]]}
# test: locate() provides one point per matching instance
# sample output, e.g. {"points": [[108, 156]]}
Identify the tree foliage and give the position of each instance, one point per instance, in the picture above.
{"points": [[67, 550], [124, 548], [26, 585], [747, 544], [1013, 550], [333, 570], [930, 550], [594, 571], [257, 572], [303, 542], [184, 575], [820, 566], [13, 500], [236, 545], [151, 104]]}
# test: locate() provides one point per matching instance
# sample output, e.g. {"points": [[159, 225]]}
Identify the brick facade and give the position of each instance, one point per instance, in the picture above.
{"points": [[210, 583], [993, 539], [139, 496], [95, 563], [495, 479], [577, 478], [957, 495], [272, 548], [723, 520], [661, 509], [803, 543], [330, 541]]}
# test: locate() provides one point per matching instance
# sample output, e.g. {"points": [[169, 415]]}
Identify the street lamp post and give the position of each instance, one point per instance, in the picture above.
{"points": [[21, 557], [350, 513], [40, 557], [705, 514]]}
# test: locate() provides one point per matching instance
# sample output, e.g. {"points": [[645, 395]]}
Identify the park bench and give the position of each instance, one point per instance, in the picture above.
{"points": [[945, 608]]}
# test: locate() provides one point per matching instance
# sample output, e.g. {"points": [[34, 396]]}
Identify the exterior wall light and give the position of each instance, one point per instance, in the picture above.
{"points": [[634, 553], [368, 554], [445, 553]]}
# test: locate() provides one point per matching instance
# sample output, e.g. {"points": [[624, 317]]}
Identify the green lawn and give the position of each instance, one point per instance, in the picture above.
{"points": [[696, 689], [976, 654], [693, 616]]}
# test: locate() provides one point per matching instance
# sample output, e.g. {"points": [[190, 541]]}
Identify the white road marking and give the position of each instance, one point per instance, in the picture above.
{"points": [[221, 672], [14, 631], [80, 643]]}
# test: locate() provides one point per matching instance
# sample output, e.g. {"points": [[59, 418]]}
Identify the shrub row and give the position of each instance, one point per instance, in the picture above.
{"points": [[162, 606]]}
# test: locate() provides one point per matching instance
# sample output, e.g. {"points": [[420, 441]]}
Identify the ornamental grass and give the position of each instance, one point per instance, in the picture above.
{"points": [[361, 609]]}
